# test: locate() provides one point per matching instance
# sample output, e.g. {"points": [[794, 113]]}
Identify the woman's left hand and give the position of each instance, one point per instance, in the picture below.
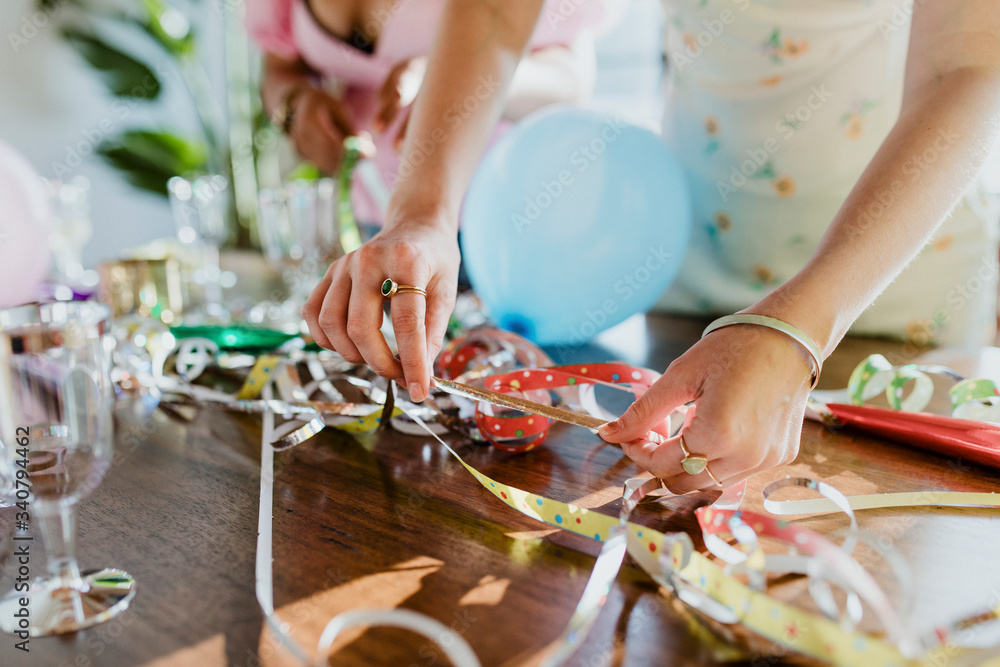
{"points": [[749, 385], [397, 93]]}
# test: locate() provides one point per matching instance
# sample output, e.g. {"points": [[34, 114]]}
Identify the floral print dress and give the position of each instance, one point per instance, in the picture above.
{"points": [[776, 107]]}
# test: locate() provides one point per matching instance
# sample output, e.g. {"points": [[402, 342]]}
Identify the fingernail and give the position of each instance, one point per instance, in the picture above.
{"points": [[610, 428], [417, 394]]}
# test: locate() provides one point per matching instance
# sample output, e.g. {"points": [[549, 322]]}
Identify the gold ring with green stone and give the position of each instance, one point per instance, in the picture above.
{"points": [[694, 464], [391, 288]]}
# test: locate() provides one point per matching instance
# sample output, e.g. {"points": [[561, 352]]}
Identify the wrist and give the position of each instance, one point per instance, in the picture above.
{"points": [[813, 355], [809, 311], [283, 114], [421, 211]]}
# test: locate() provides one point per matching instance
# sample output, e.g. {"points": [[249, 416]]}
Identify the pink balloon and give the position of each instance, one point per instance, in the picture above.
{"points": [[25, 224]]}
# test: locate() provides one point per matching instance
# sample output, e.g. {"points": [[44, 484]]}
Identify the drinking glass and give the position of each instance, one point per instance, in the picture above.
{"points": [[200, 207], [55, 441], [299, 234], [71, 231]]}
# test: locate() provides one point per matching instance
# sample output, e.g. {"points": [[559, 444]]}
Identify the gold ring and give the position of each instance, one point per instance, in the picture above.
{"points": [[391, 288], [694, 464], [714, 478]]}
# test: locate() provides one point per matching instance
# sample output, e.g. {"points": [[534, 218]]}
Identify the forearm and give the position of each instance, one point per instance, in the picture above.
{"points": [[918, 175], [472, 62], [556, 74]]}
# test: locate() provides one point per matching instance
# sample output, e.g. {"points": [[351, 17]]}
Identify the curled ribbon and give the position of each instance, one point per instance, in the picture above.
{"points": [[451, 643], [525, 432], [486, 351], [977, 399], [715, 588], [875, 375]]}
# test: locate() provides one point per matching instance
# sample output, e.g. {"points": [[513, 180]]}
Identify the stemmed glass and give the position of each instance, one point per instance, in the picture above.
{"points": [[299, 234], [200, 207], [70, 211], [55, 448]]}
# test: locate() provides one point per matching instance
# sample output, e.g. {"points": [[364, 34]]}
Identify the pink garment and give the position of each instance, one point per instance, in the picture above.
{"points": [[288, 29]]}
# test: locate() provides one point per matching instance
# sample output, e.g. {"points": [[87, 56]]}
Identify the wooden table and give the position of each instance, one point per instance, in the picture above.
{"points": [[390, 520]]}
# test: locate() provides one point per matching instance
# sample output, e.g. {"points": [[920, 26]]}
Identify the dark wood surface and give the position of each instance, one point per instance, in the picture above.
{"points": [[388, 520]]}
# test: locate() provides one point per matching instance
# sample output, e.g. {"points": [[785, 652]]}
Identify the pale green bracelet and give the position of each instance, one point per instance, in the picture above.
{"points": [[796, 334]]}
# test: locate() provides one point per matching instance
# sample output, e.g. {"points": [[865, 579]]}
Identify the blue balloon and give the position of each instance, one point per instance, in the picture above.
{"points": [[573, 222]]}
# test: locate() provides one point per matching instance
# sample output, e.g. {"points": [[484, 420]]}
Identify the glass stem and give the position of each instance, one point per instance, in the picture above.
{"points": [[213, 274], [59, 534], [301, 287]]}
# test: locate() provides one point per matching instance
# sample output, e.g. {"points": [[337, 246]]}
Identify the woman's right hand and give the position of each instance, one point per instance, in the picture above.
{"points": [[319, 124], [344, 312]]}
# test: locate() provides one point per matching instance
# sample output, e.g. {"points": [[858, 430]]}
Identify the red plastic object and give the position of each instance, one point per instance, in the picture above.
{"points": [[960, 438]]}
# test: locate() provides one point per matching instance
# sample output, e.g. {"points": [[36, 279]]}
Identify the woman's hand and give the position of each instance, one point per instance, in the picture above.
{"points": [[397, 93], [344, 312], [319, 124], [418, 246], [749, 385]]}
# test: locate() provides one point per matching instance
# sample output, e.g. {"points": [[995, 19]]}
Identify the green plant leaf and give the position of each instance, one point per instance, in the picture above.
{"points": [[305, 171], [175, 47], [124, 75], [149, 159], [49, 5]]}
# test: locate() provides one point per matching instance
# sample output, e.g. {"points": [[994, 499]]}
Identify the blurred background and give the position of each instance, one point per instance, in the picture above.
{"points": [[129, 92]]}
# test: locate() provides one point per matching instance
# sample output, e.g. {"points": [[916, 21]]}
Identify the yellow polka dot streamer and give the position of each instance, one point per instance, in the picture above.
{"points": [[259, 376], [364, 424], [811, 635], [696, 574], [796, 629]]}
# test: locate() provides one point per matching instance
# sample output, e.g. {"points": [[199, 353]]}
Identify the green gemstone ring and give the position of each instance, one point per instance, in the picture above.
{"points": [[391, 288], [694, 464]]}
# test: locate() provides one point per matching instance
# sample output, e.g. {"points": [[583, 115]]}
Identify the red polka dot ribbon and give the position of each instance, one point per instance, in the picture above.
{"points": [[484, 351], [517, 432], [527, 372]]}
